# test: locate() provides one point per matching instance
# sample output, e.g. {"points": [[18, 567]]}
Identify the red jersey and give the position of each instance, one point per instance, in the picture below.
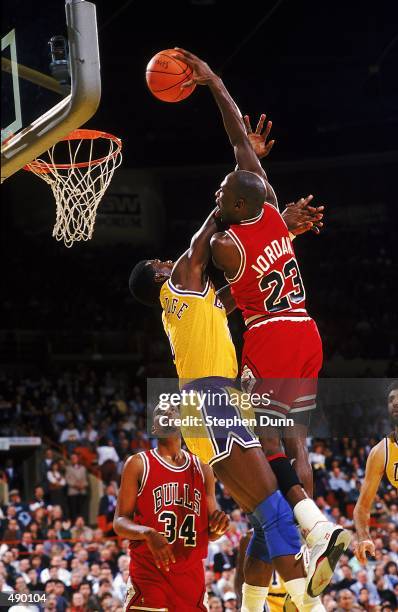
{"points": [[268, 282], [172, 500]]}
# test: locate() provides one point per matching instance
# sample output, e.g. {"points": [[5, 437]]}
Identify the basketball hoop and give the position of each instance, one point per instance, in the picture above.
{"points": [[78, 186]]}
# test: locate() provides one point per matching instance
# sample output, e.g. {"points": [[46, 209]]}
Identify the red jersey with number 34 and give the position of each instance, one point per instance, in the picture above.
{"points": [[268, 281], [172, 500]]}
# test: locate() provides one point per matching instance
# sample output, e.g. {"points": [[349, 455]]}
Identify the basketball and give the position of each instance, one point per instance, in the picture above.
{"points": [[165, 74]]}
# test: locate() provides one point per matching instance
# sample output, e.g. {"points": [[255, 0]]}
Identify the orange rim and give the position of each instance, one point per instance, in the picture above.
{"points": [[45, 168]]}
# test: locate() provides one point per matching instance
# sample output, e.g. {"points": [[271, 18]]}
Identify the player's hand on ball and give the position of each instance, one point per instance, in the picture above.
{"points": [[160, 549], [258, 139], [363, 547], [202, 73], [218, 523], [300, 216]]}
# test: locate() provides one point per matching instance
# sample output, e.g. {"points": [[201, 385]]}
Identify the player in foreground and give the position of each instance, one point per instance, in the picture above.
{"points": [[282, 348], [382, 460], [197, 327], [167, 509]]}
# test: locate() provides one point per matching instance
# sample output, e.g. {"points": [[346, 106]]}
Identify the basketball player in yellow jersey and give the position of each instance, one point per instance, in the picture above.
{"points": [[382, 460], [194, 336]]}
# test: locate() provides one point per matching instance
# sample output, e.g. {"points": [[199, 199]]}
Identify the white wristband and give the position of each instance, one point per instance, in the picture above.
{"points": [[291, 236]]}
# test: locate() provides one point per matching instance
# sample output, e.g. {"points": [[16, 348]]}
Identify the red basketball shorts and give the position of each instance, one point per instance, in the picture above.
{"points": [[281, 361], [153, 589]]}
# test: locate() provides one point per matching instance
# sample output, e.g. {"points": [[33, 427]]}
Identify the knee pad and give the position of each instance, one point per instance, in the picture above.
{"points": [[257, 547], [277, 520]]}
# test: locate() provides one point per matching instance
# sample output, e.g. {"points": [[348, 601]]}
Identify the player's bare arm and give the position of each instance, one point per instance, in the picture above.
{"points": [[189, 272], [123, 522], [245, 156], [247, 152], [262, 148], [218, 520], [374, 473]]}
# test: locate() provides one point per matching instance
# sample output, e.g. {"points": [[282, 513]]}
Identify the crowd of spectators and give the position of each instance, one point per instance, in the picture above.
{"points": [[92, 420], [79, 567]]}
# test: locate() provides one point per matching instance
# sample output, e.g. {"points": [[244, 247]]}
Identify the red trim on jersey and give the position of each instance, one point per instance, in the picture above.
{"points": [[260, 318], [276, 456]]}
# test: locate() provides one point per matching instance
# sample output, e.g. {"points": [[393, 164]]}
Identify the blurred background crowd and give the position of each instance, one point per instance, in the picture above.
{"points": [[56, 525]]}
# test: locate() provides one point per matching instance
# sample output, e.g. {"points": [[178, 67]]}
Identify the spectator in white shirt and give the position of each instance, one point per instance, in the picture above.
{"points": [[317, 457], [55, 571], [119, 585], [89, 434], [70, 436], [107, 460]]}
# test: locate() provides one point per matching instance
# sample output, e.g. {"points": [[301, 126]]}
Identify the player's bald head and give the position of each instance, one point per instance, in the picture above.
{"points": [[248, 186], [241, 196]]}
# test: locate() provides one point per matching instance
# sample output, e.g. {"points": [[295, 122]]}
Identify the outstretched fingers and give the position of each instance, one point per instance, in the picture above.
{"points": [[268, 146], [260, 124], [248, 126]]}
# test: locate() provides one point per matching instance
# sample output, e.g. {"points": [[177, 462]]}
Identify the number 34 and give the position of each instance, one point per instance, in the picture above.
{"points": [[186, 531]]}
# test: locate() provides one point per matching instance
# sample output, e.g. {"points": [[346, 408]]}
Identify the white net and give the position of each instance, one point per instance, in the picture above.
{"points": [[78, 186]]}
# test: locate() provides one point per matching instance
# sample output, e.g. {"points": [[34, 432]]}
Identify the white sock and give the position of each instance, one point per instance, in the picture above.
{"points": [[308, 515], [296, 590], [253, 598]]}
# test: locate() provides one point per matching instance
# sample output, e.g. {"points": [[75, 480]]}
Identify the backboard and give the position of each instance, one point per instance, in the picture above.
{"points": [[32, 82], [50, 75]]}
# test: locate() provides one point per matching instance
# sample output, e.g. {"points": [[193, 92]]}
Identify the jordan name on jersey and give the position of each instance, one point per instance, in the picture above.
{"points": [[272, 252]]}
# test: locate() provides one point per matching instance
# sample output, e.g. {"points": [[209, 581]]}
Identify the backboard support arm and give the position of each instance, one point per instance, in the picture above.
{"points": [[76, 108]]}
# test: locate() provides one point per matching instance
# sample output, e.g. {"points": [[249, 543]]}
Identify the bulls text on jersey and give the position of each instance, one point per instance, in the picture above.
{"points": [[171, 493]]}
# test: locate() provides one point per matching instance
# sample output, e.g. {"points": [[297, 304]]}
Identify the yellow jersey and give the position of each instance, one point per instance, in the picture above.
{"points": [[196, 325], [392, 460]]}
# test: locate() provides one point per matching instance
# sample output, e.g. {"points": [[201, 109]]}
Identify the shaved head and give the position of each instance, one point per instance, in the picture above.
{"points": [[248, 186], [241, 196]]}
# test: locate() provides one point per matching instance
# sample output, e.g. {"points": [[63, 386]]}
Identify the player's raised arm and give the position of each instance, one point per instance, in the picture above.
{"points": [[233, 121], [370, 485], [123, 522], [189, 270], [218, 520]]}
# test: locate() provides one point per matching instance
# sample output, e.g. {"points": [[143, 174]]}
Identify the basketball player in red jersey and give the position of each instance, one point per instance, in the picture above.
{"points": [[167, 508], [282, 342]]}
